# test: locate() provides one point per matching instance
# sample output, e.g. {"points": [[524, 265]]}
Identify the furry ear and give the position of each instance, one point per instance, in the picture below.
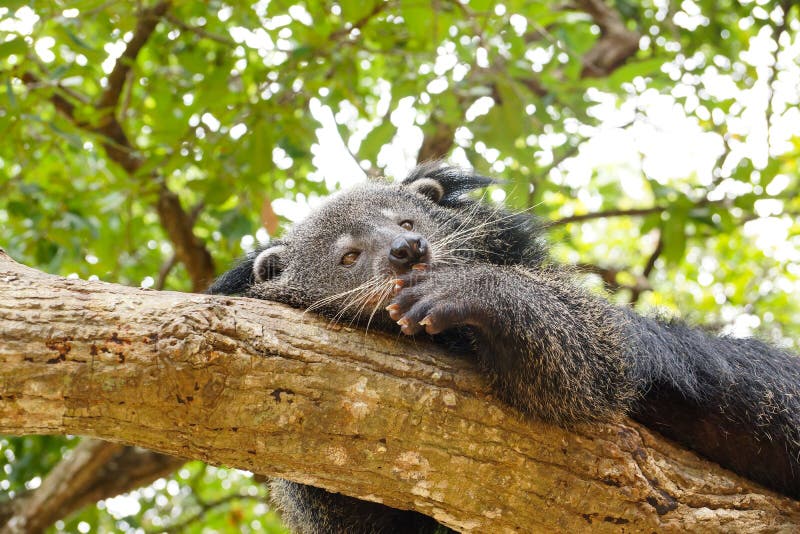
{"points": [[257, 266], [269, 263], [427, 187], [253, 268], [444, 185]]}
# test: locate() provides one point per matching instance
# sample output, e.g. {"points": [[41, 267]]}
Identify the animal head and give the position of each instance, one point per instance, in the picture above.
{"points": [[342, 258]]}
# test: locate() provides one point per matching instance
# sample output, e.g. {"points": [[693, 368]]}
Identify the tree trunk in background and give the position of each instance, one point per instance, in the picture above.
{"points": [[259, 386]]}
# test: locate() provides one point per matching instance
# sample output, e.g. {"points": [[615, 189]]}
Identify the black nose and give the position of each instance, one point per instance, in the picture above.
{"points": [[408, 250]]}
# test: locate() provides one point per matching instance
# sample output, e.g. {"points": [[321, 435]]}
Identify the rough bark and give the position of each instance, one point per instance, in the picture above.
{"points": [[259, 386]]}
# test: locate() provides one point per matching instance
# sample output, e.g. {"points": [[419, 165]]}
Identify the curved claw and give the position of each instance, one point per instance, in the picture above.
{"points": [[394, 311]]}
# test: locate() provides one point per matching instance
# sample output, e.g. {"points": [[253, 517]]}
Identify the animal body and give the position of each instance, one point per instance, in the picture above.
{"points": [[422, 257]]}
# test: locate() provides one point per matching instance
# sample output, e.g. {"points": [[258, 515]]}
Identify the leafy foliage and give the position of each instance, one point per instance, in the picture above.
{"points": [[673, 175]]}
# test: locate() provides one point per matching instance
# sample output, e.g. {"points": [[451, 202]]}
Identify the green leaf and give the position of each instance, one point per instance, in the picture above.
{"points": [[649, 223], [674, 236], [356, 10], [507, 117], [12, 99], [419, 22], [746, 202], [92, 54], [261, 145], [13, 5], [627, 72], [375, 139], [13, 47], [481, 5]]}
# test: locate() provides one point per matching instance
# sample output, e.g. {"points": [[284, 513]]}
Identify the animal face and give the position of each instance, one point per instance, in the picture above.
{"points": [[343, 258]]}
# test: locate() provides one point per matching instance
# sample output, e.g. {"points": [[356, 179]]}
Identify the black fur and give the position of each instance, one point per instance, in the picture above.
{"points": [[735, 401], [238, 279], [551, 349], [332, 513], [455, 183]]}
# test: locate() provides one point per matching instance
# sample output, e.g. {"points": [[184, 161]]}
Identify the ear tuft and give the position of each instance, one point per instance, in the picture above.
{"points": [[428, 187], [444, 185], [268, 264]]}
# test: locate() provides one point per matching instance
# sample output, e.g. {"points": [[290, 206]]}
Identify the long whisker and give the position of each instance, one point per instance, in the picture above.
{"points": [[467, 216], [459, 233], [352, 296], [466, 232], [364, 301], [360, 298], [384, 294], [331, 298], [379, 287], [475, 231]]}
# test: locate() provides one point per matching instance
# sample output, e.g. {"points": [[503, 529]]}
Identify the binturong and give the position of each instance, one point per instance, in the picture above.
{"points": [[424, 258]]}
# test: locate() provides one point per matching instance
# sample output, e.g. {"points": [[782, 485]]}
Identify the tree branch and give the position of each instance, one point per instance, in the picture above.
{"points": [[639, 212], [262, 387], [33, 511], [360, 23], [130, 468], [616, 44], [648, 270], [62, 105], [437, 142], [145, 26], [189, 249], [92, 471], [205, 507], [164, 271], [200, 32]]}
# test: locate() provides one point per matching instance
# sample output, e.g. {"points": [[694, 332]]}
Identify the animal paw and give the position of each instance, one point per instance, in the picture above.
{"points": [[434, 303]]}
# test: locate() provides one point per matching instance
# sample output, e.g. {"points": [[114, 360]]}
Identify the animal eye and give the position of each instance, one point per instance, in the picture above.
{"points": [[408, 225], [350, 258]]}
